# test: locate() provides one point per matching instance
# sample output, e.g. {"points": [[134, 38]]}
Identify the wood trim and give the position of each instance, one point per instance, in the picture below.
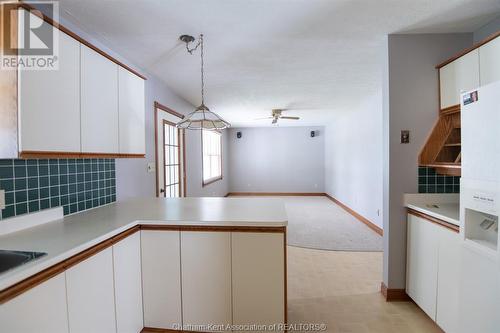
{"points": [[470, 49], [164, 330], [359, 217], [158, 106], [447, 225], [162, 107], [450, 110], [394, 295], [213, 180], [56, 154], [78, 38], [208, 228], [271, 194], [37, 279]]}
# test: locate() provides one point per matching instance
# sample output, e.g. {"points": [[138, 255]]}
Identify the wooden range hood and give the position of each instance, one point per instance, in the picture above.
{"points": [[442, 150]]}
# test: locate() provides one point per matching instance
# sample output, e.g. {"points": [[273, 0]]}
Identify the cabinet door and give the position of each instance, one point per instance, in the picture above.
{"points": [[459, 76], [99, 103], [489, 59], [206, 278], [49, 103], [41, 309], [161, 278], [448, 286], [90, 292], [258, 275], [131, 113], [422, 263], [128, 284]]}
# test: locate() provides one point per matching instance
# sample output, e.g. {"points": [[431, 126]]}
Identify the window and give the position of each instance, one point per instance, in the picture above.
{"points": [[211, 142], [172, 163]]}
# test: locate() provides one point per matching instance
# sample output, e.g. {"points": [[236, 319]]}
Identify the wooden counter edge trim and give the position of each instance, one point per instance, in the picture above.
{"points": [[57, 154], [164, 330], [278, 194], [394, 295], [432, 219], [44, 275], [48, 273], [160, 227], [73, 35], [359, 217], [470, 49]]}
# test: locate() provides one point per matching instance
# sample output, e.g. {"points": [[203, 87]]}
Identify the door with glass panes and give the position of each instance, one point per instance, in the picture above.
{"points": [[172, 164]]}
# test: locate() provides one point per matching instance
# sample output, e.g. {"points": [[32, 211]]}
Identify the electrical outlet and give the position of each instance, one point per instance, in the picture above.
{"points": [[405, 136], [2, 199], [151, 167]]}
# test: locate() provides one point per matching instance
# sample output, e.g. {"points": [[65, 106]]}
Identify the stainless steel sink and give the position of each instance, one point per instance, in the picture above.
{"points": [[13, 259]]}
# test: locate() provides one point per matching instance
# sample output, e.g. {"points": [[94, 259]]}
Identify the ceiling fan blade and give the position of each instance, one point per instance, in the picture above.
{"points": [[292, 118], [265, 118]]}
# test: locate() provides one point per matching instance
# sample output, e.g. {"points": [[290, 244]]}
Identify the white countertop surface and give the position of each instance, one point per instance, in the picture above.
{"points": [[445, 207], [72, 234]]}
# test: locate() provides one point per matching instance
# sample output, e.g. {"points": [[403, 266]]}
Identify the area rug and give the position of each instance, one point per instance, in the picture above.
{"points": [[319, 223]]}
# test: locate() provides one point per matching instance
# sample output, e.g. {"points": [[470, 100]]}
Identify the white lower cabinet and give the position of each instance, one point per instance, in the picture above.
{"points": [[258, 273], [90, 294], [41, 309], [433, 268], [206, 279], [161, 278], [448, 286], [422, 263], [128, 284]]}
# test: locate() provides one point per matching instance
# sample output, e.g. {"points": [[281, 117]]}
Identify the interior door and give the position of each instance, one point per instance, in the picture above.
{"points": [[170, 151]]}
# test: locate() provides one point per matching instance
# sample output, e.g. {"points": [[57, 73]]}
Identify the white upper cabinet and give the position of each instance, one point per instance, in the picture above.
{"points": [[41, 309], [49, 103], [489, 55], [458, 76], [128, 284], [99, 103], [90, 294], [131, 113]]}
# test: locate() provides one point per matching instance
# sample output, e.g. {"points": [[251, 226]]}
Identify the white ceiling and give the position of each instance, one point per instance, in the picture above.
{"points": [[318, 56]]}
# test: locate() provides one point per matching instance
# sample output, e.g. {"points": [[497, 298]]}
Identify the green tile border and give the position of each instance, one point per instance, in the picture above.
{"points": [[74, 184]]}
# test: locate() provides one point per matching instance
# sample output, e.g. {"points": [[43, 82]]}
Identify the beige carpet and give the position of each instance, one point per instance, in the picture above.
{"points": [[319, 223]]}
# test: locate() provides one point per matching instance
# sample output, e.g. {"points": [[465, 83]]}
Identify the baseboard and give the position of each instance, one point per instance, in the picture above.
{"points": [[394, 295], [361, 218], [270, 194]]}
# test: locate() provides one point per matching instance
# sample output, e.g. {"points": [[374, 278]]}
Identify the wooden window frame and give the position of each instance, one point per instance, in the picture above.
{"points": [[215, 179]]}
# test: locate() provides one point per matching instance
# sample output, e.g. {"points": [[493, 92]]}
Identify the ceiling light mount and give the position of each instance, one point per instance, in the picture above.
{"points": [[201, 117]]}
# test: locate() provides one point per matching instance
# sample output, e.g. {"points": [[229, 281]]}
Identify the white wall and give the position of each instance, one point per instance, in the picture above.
{"points": [[410, 102], [487, 30], [276, 159], [353, 159]]}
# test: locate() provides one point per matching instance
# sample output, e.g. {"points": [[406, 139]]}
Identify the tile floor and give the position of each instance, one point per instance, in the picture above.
{"points": [[342, 290]]}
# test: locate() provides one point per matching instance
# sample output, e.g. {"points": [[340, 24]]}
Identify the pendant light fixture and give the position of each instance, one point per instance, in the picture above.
{"points": [[201, 117]]}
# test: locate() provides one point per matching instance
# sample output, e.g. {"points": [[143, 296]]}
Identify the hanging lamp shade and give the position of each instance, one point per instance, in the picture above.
{"points": [[203, 118]]}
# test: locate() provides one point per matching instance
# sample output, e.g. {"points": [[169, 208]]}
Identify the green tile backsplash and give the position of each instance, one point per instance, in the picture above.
{"points": [[74, 184], [431, 182]]}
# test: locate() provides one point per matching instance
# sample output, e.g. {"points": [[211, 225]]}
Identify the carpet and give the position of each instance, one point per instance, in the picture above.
{"points": [[319, 223]]}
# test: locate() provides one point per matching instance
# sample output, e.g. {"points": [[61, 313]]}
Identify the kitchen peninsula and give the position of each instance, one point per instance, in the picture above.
{"points": [[157, 263]]}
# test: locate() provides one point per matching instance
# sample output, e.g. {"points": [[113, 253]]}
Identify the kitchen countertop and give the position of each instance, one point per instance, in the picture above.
{"points": [[445, 207], [72, 234]]}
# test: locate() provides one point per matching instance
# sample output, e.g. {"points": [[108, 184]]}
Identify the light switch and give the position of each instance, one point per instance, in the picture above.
{"points": [[151, 167], [2, 199]]}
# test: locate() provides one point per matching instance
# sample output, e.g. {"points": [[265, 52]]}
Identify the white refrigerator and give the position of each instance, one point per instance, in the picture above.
{"points": [[479, 293]]}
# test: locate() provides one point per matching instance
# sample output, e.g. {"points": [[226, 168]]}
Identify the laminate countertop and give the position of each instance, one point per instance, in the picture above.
{"points": [[72, 234], [445, 207]]}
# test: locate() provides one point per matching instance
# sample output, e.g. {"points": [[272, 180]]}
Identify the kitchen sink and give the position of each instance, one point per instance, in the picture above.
{"points": [[13, 259]]}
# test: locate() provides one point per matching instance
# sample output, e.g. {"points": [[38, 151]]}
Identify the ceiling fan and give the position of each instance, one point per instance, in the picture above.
{"points": [[276, 115]]}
